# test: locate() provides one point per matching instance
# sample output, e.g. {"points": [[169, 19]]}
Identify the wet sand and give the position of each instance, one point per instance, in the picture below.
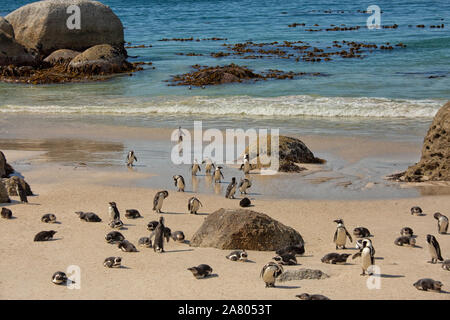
{"points": [[27, 266]]}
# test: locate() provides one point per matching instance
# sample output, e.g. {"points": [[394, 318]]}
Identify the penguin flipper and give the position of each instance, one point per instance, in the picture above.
{"points": [[335, 236], [356, 255], [348, 235]]}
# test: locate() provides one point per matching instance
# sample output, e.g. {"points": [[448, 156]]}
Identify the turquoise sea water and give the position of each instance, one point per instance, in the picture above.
{"points": [[386, 85]]}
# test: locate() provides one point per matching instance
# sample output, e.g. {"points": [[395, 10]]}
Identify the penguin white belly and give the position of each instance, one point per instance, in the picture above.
{"points": [[268, 276], [217, 176], [194, 169], [180, 184], [159, 204], [111, 213], [341, 237], [246, 167], [366, 261], [195, 206], [443, 224], [432, 251]]}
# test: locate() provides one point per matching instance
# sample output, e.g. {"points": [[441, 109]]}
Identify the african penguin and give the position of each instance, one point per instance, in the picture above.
{"points": [[131, 158], [367, 259], [178, 236], [201, 271], [218, 175], [114, 213], [48, 218], [159, 233], [44, 235], [59, 278], [195, 167], [416, 211], [446, 265], [335, 258], [434, 248], [151, 226], [244, 203], [405, 241], [179, 183], [6, 213], [270, 272], [361, 232], [341, 234], [132, 214], [407, 231], [244, 184], [88, 216], [307, 296], [159, 199], [238, 255], [246, 165], [112, 262], [286, 259], [231, 189], [360, 246], [194, 205], [442, 222], [427, 284], [296, 250], [114, 237], [145, 242], [126, 246], [209, 166], [116, 224]]}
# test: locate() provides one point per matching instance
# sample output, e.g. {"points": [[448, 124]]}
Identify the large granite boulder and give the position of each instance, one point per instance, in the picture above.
{"points": [[434, 165], [42, 25], [244, 229], [11, 185], [61, 56], [12, 53], [102, 58], [4, 198], [6, 27], [5, 168]]}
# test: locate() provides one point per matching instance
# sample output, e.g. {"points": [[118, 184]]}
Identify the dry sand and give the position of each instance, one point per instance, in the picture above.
{"points": [[27, 266]]}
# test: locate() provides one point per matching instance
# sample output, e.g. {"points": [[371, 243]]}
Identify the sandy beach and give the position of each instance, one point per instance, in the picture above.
{"points": [[63, 189]]}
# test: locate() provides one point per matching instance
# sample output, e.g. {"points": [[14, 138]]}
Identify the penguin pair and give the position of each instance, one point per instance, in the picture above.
{"points": [[238, 255], [209, 165]]}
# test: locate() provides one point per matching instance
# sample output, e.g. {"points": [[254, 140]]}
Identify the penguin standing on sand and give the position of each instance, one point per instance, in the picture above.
{"points": [[341, 234], [435, 249], [114, 213], [442, 222], [131, 158], [195, 168], [270, 272], [244, 184], [193, 205], [246, 165], [159, 199], [218, 175], [160, 230], [367, 259], [21, 192], [179, 182], [231, 189]]}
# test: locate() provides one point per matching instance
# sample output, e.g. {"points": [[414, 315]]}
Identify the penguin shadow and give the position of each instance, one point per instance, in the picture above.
{"points": [[129, 225], [213, 275], [180, 250], [287, 287], [416, 246], [54, 239], [378, 258], [186, 242], [201, 214], [168, 212], [14, 202], [388, 276], [123, 267], [56, 222]]}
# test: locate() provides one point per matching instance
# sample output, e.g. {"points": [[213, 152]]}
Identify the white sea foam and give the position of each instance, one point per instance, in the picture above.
{"points": [[285, 106]]}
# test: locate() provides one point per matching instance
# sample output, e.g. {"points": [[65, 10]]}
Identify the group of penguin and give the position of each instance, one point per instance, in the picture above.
{"points": [[270, 271]]}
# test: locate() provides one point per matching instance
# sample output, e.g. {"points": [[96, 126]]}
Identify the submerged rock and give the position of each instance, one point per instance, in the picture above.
{"points": [[434, 165], [43, 26], [244, 229]]}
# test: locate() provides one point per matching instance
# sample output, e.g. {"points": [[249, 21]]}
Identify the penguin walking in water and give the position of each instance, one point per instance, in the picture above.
{"points": [[209, 166], [367, 259], [442, 222], [131, 158], [434, 248], [194, 205], [195, 167], [218, 176], [159, 199], [341, 234], [201, 271], [59, 278], [244, 184], [179, 182], [21, 192], [231, 189], [270, 272], [246, 165], [159, 233]]}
